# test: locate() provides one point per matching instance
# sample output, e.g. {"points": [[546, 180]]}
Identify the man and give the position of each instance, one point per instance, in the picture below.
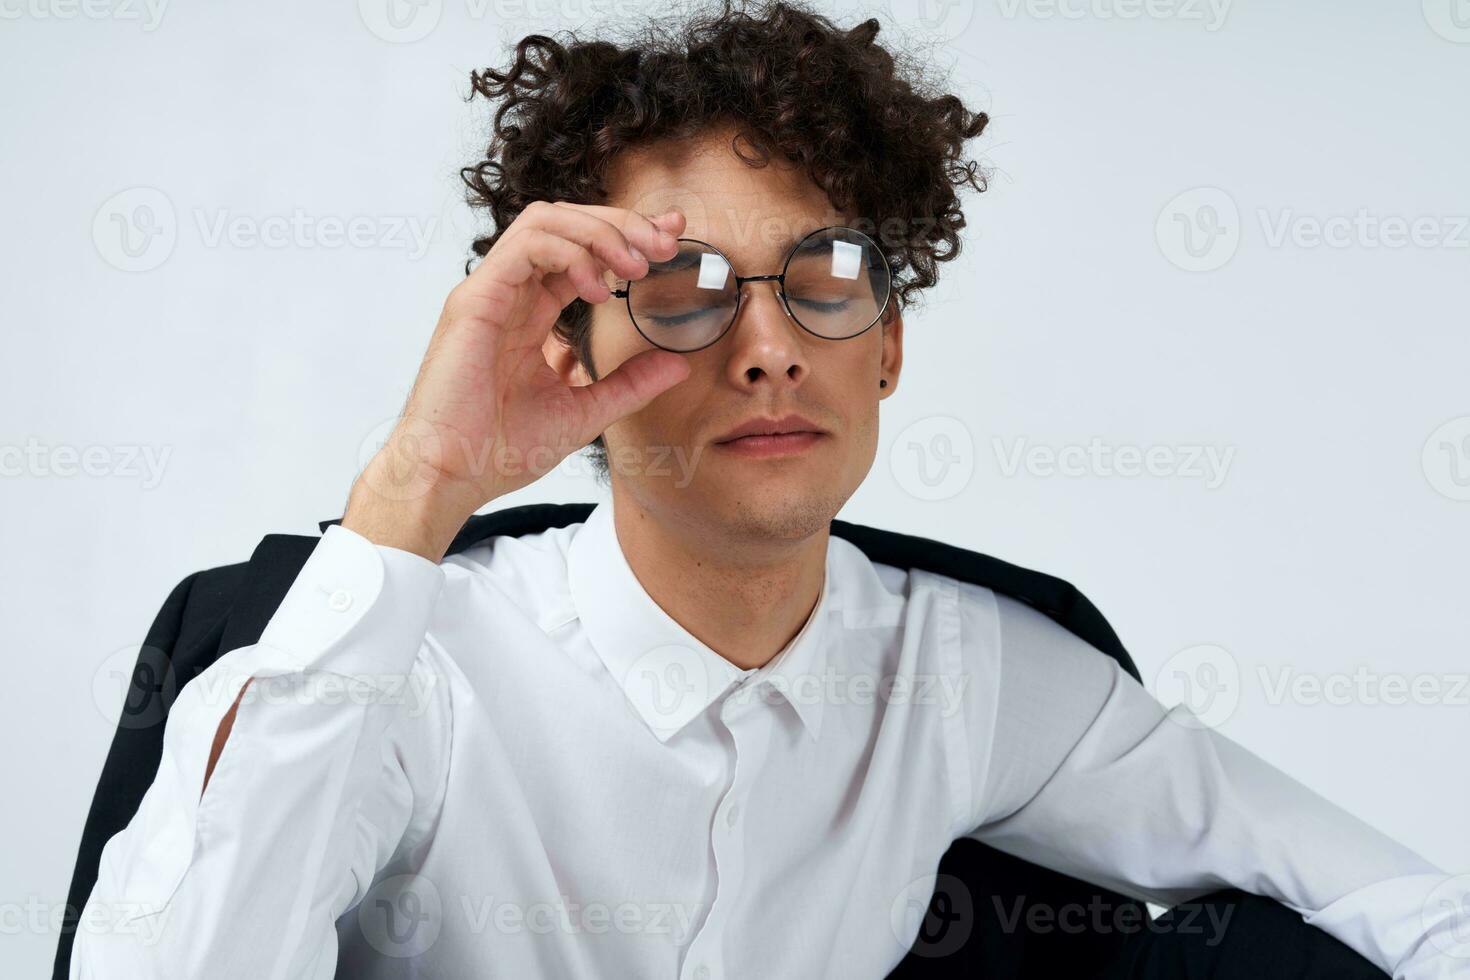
{"points": [[638, 746]]}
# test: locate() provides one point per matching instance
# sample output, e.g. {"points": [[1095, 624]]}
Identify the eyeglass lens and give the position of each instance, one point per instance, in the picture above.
{"points": [[836, 284]]}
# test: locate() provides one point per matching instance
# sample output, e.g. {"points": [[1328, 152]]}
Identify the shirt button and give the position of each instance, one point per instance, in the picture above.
{"points": [[702, 973], [339, 601], [732, 815]]}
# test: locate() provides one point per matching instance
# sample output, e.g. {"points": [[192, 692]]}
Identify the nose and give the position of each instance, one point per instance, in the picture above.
{"points": [[766, 346]]}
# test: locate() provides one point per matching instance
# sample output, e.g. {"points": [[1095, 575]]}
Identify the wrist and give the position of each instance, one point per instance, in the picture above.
{"points": [[417, 515]]}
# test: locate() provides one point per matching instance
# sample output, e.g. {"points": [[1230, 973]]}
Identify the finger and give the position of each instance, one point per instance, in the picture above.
{"points": [[671, 221], [527, 249], [521, 252], [562, 289], [617, 250], [666, 228], [546, 253], [627, 388], [654, 236]]}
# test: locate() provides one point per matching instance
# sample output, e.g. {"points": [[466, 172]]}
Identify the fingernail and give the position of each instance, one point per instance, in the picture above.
{"points": [[633, 250]]}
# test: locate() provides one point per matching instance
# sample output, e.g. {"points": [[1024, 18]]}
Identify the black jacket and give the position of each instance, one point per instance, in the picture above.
{"points": [[214, 611]]}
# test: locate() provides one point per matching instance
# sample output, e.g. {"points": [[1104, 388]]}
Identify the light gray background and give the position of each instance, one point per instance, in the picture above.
{"points": [[1332, 377]]}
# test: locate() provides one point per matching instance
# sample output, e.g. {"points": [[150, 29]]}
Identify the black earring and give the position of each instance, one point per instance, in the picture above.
{"points": [[882, 382]]}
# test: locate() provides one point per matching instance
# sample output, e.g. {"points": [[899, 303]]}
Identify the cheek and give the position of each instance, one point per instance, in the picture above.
{"points": [[672, 419], [859, 372], [865, 428], [863, 412]]}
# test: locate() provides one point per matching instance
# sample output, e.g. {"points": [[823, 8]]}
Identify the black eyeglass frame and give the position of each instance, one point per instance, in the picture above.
{"points": [[779, 280]]}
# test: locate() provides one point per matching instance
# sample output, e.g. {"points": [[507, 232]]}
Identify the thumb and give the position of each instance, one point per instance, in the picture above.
{"points": [[630, 386]]}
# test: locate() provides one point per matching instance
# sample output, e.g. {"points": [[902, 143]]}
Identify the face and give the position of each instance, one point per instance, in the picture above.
{"points": [[668, 457]]}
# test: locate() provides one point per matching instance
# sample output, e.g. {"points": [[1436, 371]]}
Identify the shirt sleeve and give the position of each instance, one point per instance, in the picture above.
{"points": [[334, 767], [1079, 769]]}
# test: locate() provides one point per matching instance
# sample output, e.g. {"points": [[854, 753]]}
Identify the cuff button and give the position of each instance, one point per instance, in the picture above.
{"points": [[339, 601]]}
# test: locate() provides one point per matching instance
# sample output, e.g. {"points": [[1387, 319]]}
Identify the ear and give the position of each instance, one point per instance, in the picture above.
{"points": [[891, 362], [563, 360]]}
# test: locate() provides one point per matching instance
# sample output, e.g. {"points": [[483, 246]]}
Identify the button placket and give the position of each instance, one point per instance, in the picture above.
{"points": [[749, 726]]}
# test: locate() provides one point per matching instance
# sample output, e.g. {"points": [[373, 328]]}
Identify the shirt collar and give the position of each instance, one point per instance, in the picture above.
{"points": [[668, 675]]}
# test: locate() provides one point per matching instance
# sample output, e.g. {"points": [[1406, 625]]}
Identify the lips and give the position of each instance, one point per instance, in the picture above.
{"points": [[786, 425]]}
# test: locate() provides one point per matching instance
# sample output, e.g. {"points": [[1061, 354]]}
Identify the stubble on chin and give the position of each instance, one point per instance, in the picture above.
{"points": [[775, 518]]}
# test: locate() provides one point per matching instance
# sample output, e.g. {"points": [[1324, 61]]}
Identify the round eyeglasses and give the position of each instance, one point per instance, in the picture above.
{"points": [[835, 284]]}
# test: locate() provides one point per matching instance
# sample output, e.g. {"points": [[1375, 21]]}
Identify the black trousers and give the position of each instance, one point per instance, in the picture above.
{"points": [[995, 917], [1232, 934]]}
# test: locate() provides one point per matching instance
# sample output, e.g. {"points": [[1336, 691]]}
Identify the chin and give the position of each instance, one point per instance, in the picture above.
{"points": [[773, 509]]}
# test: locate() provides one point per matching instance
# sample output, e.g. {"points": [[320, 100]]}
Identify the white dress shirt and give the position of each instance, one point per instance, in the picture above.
{"points": [[515, 763]]}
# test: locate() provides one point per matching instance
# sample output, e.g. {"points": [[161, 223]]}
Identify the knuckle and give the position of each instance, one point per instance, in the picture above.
{"points": [[456, 302]]}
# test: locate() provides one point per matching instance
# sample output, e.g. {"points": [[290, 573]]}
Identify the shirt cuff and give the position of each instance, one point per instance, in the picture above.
{"points": [[357, 609], [1411, 924]]}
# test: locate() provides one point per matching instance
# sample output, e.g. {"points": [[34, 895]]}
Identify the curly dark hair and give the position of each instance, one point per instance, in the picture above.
{"points": [[865, 126]]}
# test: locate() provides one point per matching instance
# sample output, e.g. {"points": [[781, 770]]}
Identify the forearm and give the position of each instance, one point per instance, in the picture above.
{"points": [[246, 876], [1088, 774]]}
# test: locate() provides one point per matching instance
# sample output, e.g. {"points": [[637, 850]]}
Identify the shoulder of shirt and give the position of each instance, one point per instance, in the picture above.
{"points": [[979, 612], [958, 613], [529, 570], [865, 592]]}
